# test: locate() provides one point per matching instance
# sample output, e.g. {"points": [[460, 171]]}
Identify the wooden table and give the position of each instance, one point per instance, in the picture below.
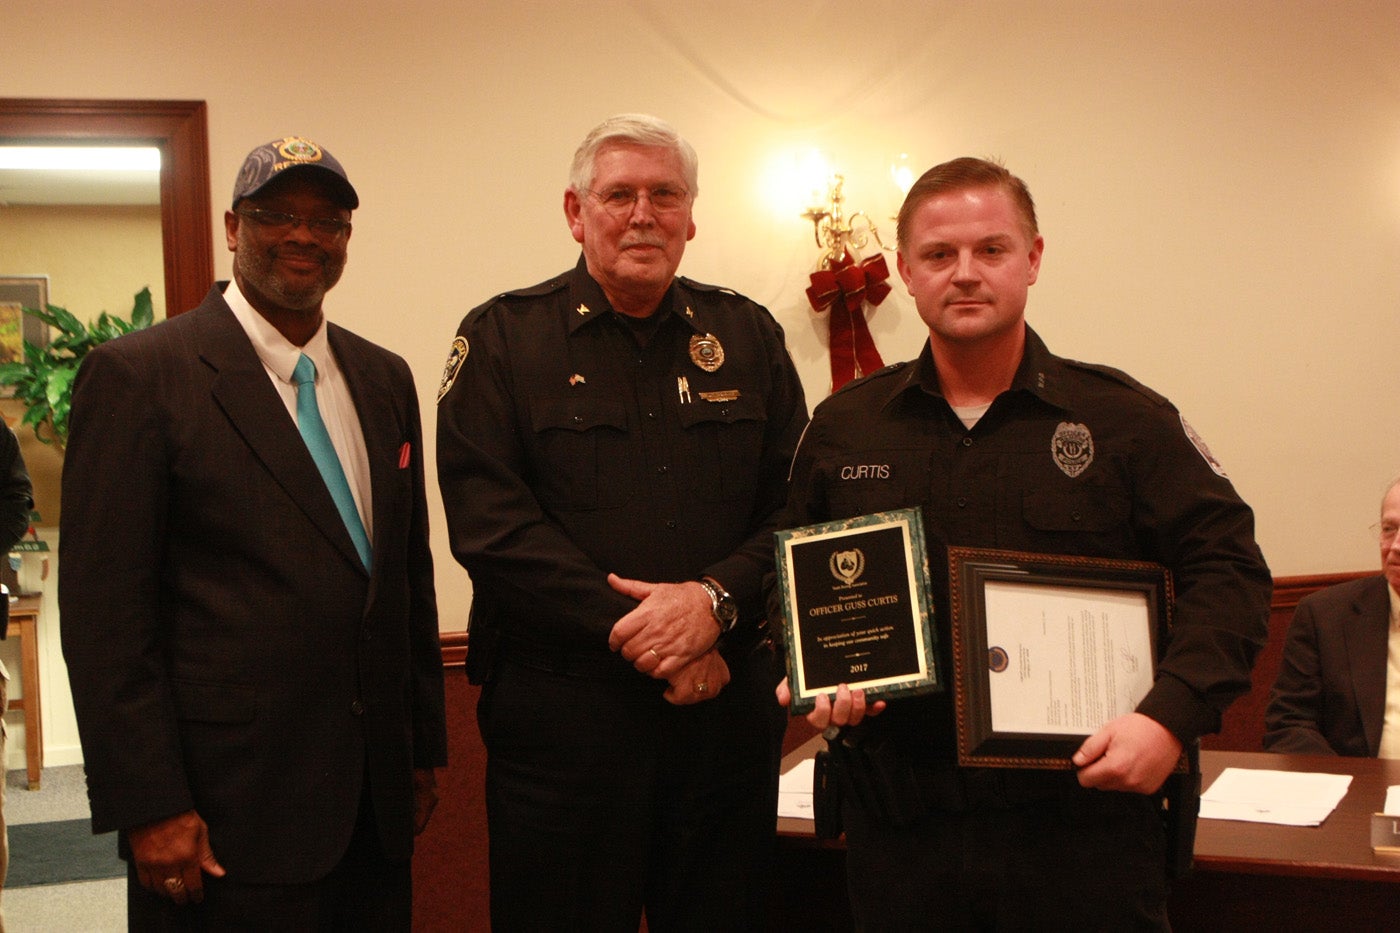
{"points": [[24, 622], [1247, 876], [1260, 876]]}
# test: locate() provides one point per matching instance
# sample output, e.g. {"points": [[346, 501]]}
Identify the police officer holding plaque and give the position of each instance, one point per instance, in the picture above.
{"points": [[1000, 444], [613, 446]]}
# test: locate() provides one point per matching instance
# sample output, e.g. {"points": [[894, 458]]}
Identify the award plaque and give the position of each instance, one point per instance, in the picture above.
{"points": [[1046, 649], [856, 608]]}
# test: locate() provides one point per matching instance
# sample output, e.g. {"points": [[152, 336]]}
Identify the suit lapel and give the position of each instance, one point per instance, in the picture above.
{"points": [[241, 387], [1367, 638], [379, 423]]}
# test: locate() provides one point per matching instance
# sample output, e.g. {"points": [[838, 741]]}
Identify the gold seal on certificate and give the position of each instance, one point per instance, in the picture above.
{"points": [[855, 607]]}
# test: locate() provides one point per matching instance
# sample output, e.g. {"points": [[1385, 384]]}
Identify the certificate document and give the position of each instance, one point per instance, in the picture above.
{"points": [[1047, 649], [856, 608], [1065, 660]]}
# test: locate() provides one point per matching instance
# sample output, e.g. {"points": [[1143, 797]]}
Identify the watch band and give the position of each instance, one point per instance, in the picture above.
{"points": [[722, 605]]}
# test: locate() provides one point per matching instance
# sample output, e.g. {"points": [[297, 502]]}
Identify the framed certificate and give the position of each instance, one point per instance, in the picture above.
{"points": [[855, 607], [1046, 649]]}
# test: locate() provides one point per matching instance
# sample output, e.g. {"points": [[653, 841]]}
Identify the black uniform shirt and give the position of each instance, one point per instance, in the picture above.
{"points": [[571, 445], [1073, 459]]}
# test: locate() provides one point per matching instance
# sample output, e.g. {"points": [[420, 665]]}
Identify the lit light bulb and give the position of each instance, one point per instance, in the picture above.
{"points": [[902, 173]]}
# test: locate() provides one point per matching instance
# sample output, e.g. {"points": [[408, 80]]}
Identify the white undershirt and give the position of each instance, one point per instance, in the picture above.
{"points": [[969, 415], [1390, 730], [279, 357]]}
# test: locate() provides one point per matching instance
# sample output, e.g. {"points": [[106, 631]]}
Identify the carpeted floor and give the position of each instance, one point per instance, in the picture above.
{"points": [[52, 850]]}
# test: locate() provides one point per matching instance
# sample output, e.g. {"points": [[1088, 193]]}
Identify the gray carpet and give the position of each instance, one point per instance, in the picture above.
{"points": [[51, 906]]}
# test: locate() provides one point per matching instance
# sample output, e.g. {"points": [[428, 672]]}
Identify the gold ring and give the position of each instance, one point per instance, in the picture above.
{"points": [[654, 654], [174, 885], [701, 686]]}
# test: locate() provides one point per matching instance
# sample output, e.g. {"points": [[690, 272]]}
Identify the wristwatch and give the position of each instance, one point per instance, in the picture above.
{"points": [[724, 607]]}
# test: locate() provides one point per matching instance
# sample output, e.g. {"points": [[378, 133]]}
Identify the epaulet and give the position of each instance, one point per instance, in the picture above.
{"points": [[878, 374], [1120, 377], [704, 287], [534, 291]]}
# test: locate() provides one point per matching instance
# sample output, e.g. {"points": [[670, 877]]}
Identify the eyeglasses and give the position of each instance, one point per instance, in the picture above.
{"points": [[279, 222], [622, 201], [1385, 531]]}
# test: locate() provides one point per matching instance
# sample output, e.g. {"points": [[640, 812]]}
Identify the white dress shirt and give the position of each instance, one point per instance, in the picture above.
{"points": [[279, 357]]}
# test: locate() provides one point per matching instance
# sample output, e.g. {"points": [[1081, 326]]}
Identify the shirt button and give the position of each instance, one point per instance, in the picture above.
{"points": [[662, 470], [671, 524], [651, 415], [578, 419], [967, 442], [357, 708], [1076, 516], [962, 503]]}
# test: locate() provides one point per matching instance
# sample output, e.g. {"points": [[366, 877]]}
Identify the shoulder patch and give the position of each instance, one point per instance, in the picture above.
{"points": [[456, 355], [1199, 443], [1120, 377]]}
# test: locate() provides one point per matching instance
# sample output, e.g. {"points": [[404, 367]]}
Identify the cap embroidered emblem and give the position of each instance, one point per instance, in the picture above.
{"points": [[296, 149]]}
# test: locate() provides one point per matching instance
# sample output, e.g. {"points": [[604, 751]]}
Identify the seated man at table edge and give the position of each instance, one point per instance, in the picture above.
{"points": [[1338, 689]]}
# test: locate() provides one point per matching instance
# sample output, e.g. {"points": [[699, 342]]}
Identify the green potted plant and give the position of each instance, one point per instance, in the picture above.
{"points": [[43, 381]]}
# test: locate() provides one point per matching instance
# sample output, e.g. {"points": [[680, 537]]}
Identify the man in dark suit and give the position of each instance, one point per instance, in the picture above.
{"points": [[1330, 697], [255, 665]]}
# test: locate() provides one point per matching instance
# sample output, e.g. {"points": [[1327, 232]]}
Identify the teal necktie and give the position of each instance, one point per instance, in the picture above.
{"points": [[318, 441]]}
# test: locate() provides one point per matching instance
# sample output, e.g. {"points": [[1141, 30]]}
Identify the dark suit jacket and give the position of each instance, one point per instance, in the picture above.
{"points": [[227, 650], [1330, 694]]}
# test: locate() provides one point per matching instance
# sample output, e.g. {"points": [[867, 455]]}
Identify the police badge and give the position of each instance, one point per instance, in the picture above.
{"points": [[1073, 448], [706, 352]]}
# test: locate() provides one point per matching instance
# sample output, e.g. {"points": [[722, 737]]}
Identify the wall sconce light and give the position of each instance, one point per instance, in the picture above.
{"points": [[844, 283], [833, 232]]}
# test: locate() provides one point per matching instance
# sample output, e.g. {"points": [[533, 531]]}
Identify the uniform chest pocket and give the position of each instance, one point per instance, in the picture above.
{"points": [[1085, 508], [575, 440], [724, 441], [880, 480]]}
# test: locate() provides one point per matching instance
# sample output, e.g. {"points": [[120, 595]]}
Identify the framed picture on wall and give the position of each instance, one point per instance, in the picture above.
{"points": [[16, 293]]}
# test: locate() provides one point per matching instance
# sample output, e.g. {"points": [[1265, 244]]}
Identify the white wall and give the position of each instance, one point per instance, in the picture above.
{"points": [[1218, 182]]}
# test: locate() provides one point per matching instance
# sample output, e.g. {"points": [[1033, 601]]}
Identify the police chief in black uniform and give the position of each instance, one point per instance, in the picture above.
{"points": [[613, 446], [1003, 444]]}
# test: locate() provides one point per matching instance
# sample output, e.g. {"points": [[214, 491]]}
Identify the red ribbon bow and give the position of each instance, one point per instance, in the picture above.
{"points": [[852, 348]]}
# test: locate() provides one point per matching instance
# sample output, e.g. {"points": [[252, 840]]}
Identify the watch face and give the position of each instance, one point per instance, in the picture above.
{"points": [[727, 611]]}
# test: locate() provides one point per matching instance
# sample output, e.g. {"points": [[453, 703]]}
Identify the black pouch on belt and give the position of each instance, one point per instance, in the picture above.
{"points": [[878, 779]]}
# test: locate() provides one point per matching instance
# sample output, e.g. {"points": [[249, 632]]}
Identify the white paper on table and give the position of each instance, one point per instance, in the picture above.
{"points": [[795, 790], [1289, 798], [1392, 800]]}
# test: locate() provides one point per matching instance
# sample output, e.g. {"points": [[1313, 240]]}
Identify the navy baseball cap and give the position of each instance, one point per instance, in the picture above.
{"points": [[292, 153]]}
